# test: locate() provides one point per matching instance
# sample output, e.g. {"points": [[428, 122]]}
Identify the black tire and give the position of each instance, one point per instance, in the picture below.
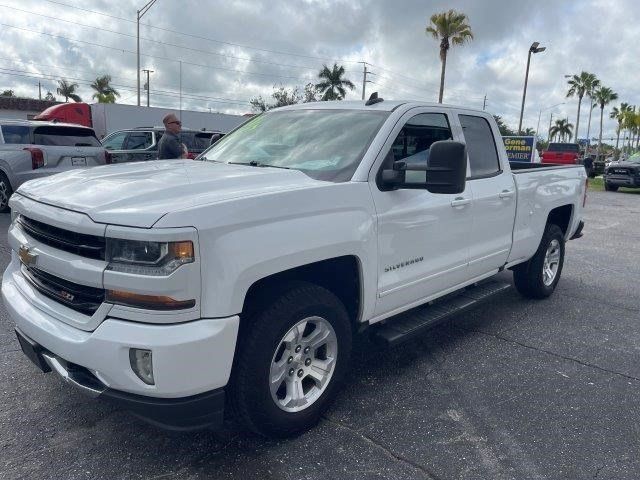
{"points": [[529, 276], [610, 188], [5, 193], [261, 334]]}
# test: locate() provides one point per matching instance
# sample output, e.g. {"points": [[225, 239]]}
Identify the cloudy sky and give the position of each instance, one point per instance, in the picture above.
{"points": [[233, 50]]}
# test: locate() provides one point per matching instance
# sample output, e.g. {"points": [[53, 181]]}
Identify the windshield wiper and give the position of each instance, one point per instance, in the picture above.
{"points": [[255, 163]]}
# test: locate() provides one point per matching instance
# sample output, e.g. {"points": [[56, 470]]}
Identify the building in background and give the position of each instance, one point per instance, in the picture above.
{"points": [[22, 108]]}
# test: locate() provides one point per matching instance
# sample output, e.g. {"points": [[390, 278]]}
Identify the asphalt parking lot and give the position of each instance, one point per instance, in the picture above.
{"points": [[515, 389]]}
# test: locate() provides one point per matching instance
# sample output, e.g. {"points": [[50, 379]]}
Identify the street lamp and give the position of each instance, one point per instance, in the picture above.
{"points": [[141, 13], [544, 110], [534, 48]]}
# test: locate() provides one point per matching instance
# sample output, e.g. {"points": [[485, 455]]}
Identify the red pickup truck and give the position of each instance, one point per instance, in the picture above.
{"points": [[564, 153]]}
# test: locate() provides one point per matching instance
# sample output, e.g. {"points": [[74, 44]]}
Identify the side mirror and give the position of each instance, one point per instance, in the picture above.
{"points": [[447, 167]]}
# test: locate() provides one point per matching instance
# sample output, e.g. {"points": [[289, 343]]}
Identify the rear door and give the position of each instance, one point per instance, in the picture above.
{"points": [[131, 146], [67, 147], [494, 196]]}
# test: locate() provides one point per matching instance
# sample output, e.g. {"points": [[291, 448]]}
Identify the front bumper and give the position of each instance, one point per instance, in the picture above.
{"points": [[190, 360], [189, 413], [622, 181]]}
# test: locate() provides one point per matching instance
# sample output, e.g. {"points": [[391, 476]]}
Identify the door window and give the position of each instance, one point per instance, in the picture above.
{"points": [[115, 141], [138, 141], [481, 146], [414, 141], [15, 134]]}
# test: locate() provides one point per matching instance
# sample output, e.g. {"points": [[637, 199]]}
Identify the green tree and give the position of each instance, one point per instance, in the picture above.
{"points": [[104, 92], [7, 93], [68, 90], [505, 130], [451, 28], [332, 86], [578, 85], [619, 115], [529, 132], [603, 96], [50, 97], [561, 129]]}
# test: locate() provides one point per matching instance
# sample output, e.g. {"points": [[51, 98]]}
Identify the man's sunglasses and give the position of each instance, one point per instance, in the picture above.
{"points": [[176, 122]]}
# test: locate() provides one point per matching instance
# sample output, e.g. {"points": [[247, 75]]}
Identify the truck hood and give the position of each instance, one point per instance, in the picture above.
{"points": [[139, 194]]}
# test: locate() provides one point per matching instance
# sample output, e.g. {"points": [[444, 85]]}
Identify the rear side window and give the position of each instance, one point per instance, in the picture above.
{"points": [[15, 134], [481, 146], [138, 141], [65, 137]]}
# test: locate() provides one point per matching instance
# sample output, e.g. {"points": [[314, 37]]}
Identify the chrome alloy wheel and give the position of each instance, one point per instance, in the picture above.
{"points": [[551, 262], [303, 364]]}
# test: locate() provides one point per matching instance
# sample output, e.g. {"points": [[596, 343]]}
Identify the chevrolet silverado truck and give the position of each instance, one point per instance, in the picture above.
{"points": [[178, 289]]}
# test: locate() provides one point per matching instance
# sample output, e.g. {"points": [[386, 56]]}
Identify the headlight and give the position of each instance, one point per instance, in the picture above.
{"points": [[147, 258]]}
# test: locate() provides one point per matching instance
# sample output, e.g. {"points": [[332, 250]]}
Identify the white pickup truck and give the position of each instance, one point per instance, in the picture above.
{"points": [[174, 288]]}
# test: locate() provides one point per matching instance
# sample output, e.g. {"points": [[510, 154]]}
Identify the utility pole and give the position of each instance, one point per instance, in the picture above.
{"points": [[148, 85], [364, 79], [549, 134], [484, 103], [180, 113], [140, 14], [534, 48], [39, 91]]}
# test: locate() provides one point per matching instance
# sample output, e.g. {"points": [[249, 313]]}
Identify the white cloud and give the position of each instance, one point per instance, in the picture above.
{"points": [[600, 36]]}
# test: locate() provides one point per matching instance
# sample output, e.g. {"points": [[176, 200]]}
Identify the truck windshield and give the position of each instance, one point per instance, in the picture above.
{"points": [[324, 144]]}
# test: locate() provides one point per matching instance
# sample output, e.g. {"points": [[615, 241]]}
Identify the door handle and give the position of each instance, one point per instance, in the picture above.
{"points": [[460, 202], [506, 194]]}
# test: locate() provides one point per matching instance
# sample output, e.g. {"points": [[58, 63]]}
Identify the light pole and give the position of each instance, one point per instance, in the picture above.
{"points": [[140, 14], [534, 48], [147, 85], [544, 110]]}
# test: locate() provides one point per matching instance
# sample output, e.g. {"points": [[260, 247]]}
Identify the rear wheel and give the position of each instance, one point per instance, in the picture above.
{"points": [[610, 188], [292, 356], [5, 193], [538, 277]]}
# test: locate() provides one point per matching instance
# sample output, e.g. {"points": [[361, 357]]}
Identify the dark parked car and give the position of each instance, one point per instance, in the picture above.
{"points": [[623, 174], [593, 165], [140, 144]]}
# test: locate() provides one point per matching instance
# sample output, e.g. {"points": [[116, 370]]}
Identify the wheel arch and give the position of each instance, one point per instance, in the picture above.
{"points": [[341, 275]]}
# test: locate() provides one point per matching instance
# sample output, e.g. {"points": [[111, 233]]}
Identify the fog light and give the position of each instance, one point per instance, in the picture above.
{"points": [[142, 364]]}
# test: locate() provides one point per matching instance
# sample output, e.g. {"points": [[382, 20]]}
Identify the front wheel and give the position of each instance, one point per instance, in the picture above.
{"points": [[5, 193], [610, 188], [538, 277], [292, 356]]}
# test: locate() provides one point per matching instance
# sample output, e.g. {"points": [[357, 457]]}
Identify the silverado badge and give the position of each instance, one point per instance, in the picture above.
{"points": [[26, 256]]}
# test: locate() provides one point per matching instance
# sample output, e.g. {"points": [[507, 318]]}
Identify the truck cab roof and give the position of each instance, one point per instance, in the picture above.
{"points": [[381, 106]]}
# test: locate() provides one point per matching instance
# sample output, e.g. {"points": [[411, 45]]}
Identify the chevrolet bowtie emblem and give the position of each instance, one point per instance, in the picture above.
{"points": [[26, 255]]}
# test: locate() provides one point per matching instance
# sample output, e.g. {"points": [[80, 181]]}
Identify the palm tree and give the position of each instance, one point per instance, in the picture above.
{"points": [[451, 28], [529, 132], [578, 85], [68, 90], [561, 129], [105, 93], [619, 115], [629, 124], [332, 85], [50, 97], [592, 84], [603, 96]]}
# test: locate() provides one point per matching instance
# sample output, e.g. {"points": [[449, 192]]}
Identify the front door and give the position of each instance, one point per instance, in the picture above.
{"points": [[423, 238]]}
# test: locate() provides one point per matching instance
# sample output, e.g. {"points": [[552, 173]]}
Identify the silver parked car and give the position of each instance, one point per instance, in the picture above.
{"points": [[32, 149]]}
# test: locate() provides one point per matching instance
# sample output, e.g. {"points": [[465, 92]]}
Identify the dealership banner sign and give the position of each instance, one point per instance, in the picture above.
{"points": [[520, 149]]}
